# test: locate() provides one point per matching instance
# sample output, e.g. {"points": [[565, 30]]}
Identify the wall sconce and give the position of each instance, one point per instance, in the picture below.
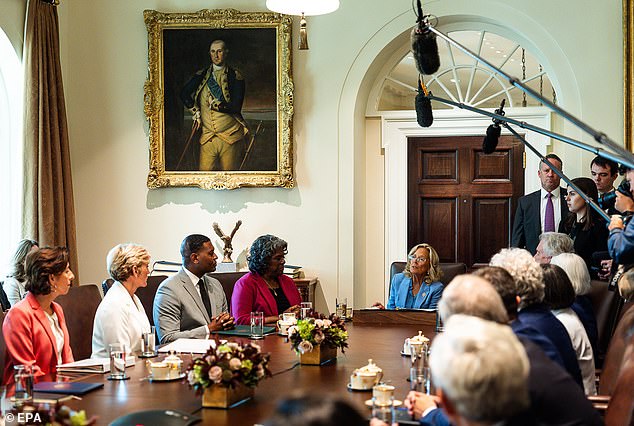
{"points": [[302, 8]]}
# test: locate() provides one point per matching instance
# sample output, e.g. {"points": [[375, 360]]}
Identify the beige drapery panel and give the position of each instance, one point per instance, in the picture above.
{"points": [[49, 212]]}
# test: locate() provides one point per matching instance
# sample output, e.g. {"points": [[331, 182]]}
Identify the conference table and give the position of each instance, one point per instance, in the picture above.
{"points": [[381, 343]]}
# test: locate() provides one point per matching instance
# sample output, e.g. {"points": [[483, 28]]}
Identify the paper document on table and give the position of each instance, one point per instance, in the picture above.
{"points": [[194, 346], [92, 365]]}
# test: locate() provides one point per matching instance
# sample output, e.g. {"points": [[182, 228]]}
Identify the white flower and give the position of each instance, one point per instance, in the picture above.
{"points": [[256, 346], [292, 330], [235, 364], [319, 337], [319, 323], [259, 372], [327, 323], [215, 374], [191, 377], [305, 346]]}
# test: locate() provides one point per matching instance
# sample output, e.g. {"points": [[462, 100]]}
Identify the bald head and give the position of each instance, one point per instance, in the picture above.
{"points": [[471, 295]]}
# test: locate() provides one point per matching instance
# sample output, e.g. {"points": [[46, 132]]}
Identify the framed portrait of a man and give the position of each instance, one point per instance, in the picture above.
{"points": [[219, 99]]}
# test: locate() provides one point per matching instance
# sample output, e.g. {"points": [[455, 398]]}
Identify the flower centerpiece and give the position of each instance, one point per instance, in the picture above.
{"points": [[228, 373], [317, 338]]}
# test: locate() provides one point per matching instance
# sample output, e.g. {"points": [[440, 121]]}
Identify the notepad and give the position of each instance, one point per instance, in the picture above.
{"points": [[66, 388], [92, 365]]}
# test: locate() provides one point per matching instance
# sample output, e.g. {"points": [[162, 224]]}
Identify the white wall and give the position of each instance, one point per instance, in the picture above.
{"points": [[327, 218]]}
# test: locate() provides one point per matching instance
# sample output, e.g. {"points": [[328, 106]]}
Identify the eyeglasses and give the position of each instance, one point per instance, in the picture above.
{"points": [[417, 259]]}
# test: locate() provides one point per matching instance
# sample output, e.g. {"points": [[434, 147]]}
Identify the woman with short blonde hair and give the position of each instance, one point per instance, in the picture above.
{"points": [[120, 317]]}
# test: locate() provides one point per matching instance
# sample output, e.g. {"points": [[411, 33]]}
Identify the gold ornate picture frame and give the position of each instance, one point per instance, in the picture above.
{"points": [[628, 72], [219, 99]]}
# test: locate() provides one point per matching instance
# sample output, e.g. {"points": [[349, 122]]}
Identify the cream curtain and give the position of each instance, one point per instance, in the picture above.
{"points": [[49, 213]]}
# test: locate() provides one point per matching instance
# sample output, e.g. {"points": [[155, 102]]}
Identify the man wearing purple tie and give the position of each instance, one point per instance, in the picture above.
{"points": [[542, 210]]}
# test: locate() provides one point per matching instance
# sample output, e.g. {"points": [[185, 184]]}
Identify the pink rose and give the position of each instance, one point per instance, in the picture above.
{"points": [[235, 364], [215, 374]]}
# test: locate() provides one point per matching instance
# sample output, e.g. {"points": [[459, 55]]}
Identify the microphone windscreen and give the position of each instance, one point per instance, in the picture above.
{"points": [[424, 114], [425, 51], [491, 139]]}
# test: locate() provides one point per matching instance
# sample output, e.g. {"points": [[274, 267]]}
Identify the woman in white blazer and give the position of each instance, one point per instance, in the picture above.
{"points": [[120, 317]]}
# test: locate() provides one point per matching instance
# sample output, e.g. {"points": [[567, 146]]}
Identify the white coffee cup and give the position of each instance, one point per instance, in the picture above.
{"points": [[383, 393]]}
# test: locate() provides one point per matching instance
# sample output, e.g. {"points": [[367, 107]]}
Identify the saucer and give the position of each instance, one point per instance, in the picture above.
{"points": [[350, 388], [153, 379], [396, 403]]}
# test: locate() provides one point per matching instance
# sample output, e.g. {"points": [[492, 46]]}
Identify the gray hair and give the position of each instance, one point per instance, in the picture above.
{"points": [[474, 359], [528, 275], [555, 243], [577, 271], [472, 295], [123, 258]]}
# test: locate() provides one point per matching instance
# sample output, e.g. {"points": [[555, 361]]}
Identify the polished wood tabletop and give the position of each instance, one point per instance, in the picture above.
{"points": [[383, 344]]}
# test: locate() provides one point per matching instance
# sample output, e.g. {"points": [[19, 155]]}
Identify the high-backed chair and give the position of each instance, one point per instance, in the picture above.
{"points": [[80, 305], [605, 304], [616, 350], [4, 300], [450, 270], [3, 345], [228, 280], [620, 409], [146, 294]]}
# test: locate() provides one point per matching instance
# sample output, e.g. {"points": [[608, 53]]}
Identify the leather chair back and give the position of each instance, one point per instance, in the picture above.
{"points": [[605, 304], [4, 300], [228, 280], [450, 270], [106, 284], [146, 294], [620, 409], [3, 345], [80, 305], [616, 351]]}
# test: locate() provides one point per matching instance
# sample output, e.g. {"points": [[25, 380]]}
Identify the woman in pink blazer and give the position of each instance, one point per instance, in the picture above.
{"points": [[34, 329], [266, 288]]}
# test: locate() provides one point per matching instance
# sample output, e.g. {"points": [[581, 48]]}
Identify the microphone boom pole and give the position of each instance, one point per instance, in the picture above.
{"points": [[524, 125], [600, 137], [559, 173]]}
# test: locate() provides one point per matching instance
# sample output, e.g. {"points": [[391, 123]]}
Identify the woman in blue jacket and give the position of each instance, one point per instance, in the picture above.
{"points": [[418, 286]]}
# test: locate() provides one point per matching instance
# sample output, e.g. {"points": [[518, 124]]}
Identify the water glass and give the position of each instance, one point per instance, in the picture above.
{"points": [[439, 324], [383, 409], [342, 307], [117, 352], [418, 352], [257, 325], [305, 308], [148, 343], [23, 384], [420, 379]]}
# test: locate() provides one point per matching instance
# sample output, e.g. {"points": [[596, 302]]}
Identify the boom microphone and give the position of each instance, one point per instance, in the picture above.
{"points": [[424, 45], [492, 137], [424, 114]]}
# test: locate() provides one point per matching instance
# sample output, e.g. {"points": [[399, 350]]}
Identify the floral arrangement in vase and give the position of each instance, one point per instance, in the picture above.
{"points": [[229, 364], [318, 330]]}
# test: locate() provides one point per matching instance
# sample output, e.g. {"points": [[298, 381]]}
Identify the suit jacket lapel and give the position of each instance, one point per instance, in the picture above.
{"points": [[193, 292], [266, 293], [40, 315]]}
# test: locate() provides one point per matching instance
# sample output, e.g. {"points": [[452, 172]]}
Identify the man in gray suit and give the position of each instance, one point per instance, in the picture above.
{"points": [[192, 304]]}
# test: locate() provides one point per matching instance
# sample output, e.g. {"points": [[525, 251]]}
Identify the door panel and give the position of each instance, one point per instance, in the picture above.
{"points": [[460, 200]]}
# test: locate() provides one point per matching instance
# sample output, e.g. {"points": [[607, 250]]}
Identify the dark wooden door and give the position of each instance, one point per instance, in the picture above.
{"points": [[460, 200]]}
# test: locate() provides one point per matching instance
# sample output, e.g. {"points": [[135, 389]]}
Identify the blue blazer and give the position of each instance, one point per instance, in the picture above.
{"points": [[427, 297]]}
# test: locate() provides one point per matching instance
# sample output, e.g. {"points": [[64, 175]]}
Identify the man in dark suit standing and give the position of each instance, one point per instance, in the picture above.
{"points": [[542, 210]]}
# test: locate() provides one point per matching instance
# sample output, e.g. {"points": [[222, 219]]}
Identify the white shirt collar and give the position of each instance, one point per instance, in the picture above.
{"points": [[194, 279], [555, 192]]}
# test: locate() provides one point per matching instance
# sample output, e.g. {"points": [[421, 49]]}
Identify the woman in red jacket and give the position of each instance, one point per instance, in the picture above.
{"points": [[34, 329], [266, 288]]}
